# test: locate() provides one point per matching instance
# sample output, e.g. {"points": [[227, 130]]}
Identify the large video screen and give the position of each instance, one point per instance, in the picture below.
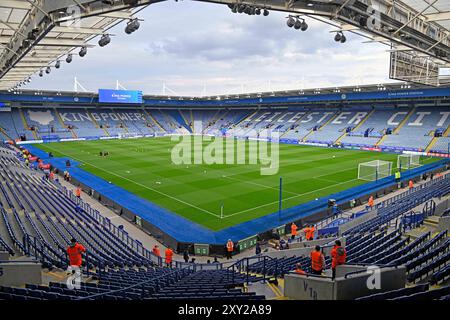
{"points": [[119, 96]]}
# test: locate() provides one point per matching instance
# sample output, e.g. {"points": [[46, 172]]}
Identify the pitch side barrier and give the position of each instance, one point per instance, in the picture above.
{"points": [[181, 234]]}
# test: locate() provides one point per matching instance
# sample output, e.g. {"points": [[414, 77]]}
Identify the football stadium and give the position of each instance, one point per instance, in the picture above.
{"points": [[320, 193]]}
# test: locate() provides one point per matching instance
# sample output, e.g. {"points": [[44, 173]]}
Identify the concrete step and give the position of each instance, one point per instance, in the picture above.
{"points": [[433, 219], [416, 233], [431, 224]]}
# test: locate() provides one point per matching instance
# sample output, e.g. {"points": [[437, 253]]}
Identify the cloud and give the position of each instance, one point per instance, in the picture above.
{"points": [[193, 47]]}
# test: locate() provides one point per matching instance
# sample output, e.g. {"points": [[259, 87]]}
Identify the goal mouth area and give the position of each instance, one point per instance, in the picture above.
{"points": [[374, 170], [408, 161]]}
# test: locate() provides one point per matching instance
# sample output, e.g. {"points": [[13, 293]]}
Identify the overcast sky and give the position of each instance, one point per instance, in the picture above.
{"points": [[197, 48]]}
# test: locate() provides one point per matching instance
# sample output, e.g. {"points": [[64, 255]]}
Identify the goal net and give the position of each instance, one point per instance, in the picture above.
{"points": [[374, 170], [408, 161]]}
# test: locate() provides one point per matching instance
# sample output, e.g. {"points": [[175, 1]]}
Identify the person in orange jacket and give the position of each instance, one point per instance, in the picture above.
{"points": [[230, 248], [156, 251], [410, 184], [370, 202], [74, 252], [293, 230], [299, 270], [78, 192], [338, 256], [317, 261], [309, 232], [169, 257]]}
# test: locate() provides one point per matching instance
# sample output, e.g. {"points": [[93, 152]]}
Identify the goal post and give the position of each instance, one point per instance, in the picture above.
{"points": [[374, 170], [408, 161]]}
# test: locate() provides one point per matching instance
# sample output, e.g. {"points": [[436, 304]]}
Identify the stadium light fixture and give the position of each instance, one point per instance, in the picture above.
{"points": [[337, 37], [340, 37], [83, 52], [132, 26], [58, 64], [290, 22], [266, 12], [41, 73], [304, 26], [104, 40], [69, 58], [48, 70]]}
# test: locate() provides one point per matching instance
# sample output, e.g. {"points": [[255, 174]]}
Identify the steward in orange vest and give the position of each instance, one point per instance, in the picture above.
{"points": [[370, 202], [338, 256], [317, 261], [230, 248], [156, 251], [74, 252], [169, 256], [309, 232], [293, 230]]}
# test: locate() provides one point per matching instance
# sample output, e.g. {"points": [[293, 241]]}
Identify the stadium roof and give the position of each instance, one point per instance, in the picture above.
{"points": [[436, 11], [38, 43], [35, 34], [393, 86]]}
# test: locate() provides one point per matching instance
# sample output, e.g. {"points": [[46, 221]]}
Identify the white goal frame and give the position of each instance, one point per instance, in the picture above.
{"points": [[374, 170], [408, 161]]}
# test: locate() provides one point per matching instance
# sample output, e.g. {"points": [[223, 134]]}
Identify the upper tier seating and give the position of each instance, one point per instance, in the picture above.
{"points": [[418, 131]]}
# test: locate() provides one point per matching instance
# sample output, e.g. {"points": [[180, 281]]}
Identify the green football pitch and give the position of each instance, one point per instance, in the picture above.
{"points": [[218, 196]]}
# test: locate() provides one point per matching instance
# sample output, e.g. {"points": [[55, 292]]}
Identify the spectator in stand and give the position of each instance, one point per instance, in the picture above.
{"points": [[317, 261], [283, 245], [258, 249], [186, 256], [338, 256], [216, 260], [410, 184]]}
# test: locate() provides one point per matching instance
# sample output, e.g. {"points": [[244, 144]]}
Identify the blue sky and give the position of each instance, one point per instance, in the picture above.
{"points": [[196, 48]]}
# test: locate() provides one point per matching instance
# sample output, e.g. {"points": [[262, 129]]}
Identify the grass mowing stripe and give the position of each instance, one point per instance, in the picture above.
{"points": [[293, 197], [141, 185]]}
